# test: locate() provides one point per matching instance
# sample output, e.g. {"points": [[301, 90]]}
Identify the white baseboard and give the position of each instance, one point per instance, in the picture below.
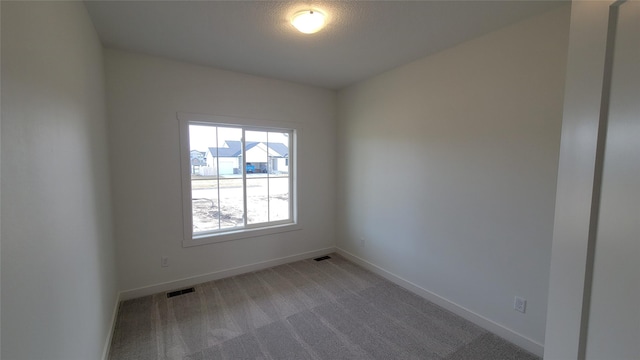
{"points": [[505, 333], [194, 280], [114, 315]]}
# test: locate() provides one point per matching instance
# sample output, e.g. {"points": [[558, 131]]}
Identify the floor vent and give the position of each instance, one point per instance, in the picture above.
{"points": [[180, 292], [322, 258]]}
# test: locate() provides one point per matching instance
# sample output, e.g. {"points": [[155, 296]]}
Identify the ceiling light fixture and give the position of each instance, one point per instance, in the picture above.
{"points": [[308, 21]]}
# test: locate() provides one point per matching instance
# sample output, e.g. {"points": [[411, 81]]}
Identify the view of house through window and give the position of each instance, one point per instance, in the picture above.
{"points": [[240, 177]]}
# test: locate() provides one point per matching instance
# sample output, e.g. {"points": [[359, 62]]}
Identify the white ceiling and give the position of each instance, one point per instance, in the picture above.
{"points": [[361, 39]]}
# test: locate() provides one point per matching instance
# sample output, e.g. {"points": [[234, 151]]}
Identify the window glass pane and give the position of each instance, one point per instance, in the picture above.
{"points": [[204, 193], [216, 177], [228, 160], [204, 183], [256, 152], [231, 203], [278, 153], [279, 198], [257, 200]]}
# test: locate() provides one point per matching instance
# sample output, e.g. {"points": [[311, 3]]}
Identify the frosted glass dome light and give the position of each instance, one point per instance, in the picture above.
{"points": [[308, 21]]}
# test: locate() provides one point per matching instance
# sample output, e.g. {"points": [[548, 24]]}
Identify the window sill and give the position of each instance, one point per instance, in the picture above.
{"points": [[239, 234]]}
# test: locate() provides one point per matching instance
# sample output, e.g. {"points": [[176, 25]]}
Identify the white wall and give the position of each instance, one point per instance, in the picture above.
{"points": [[468, 214], [58, 275], [144, 95], [595, 276]]}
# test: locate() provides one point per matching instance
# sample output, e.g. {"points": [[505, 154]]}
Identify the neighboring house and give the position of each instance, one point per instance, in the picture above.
{"points": [[198, 159], [262, 157]]}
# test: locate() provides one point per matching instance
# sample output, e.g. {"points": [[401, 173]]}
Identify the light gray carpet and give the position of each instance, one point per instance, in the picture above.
{"points": [[332, 309]]}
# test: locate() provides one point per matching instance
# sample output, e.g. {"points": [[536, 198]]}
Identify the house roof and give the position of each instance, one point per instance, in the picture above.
{"points": [[279, 148], [234, 148]]}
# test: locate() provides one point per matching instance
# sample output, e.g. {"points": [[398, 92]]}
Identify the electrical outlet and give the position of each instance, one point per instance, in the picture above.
{"points": [[361, 240], [520, 304], [164, 261]]}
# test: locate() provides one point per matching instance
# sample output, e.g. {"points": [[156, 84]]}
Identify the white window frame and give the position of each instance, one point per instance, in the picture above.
{"points": [[250, 230]]}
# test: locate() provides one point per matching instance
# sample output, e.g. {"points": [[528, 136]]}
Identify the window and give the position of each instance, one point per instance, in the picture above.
{"points": [[238, 178]]}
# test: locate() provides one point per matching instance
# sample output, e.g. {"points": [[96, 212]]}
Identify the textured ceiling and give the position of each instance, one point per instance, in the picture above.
{"points": [[361, 39]]}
